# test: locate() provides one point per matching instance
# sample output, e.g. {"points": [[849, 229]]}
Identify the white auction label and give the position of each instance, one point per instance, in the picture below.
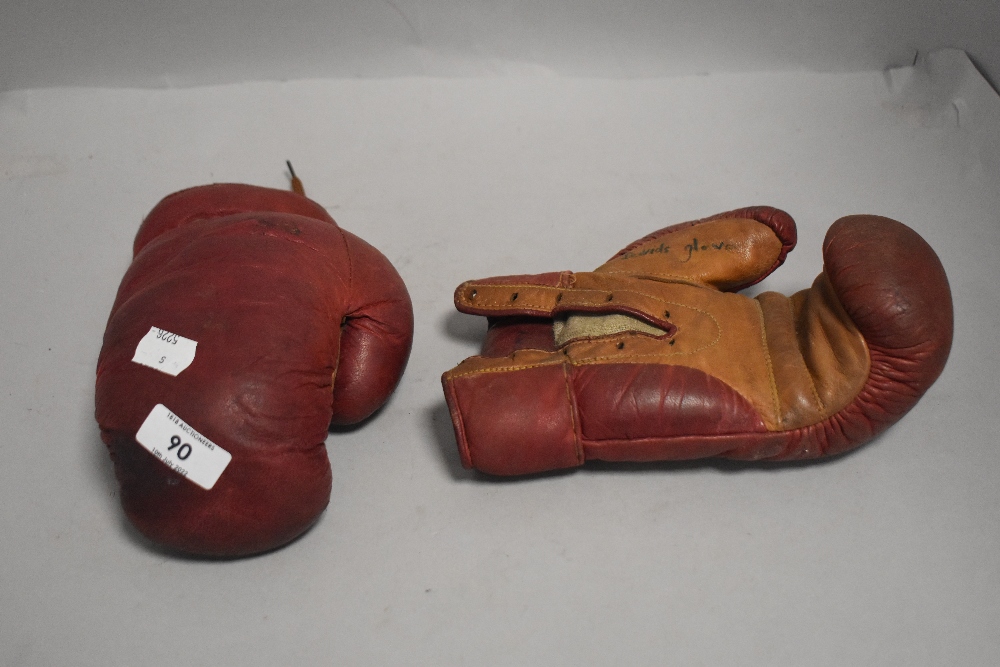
{"points": [[169, 438], [165, 351]]}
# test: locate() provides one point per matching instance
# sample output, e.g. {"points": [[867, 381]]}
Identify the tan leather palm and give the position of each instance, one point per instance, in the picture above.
{"points": [[797, 360]]}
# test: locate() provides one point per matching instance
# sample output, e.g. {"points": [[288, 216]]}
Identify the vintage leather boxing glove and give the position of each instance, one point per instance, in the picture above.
{"points": [[654, 357], [294, 324]]}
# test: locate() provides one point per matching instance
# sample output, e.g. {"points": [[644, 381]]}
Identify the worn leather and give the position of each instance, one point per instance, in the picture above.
{"points": [[299, 324], [653, 356]]}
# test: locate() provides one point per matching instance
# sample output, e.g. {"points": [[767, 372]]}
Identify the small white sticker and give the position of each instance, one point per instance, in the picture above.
{"points": [[165, 351], [181, 448]]}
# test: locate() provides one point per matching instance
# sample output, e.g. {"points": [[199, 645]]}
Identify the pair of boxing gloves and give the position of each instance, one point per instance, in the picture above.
{"points": [[249, 322]]}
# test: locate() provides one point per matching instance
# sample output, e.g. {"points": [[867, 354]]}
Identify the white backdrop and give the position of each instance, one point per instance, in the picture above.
{"points": [[150, 43]]}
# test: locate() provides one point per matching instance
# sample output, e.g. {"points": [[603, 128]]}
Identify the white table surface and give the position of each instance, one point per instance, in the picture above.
{"points": [[889, 555]]}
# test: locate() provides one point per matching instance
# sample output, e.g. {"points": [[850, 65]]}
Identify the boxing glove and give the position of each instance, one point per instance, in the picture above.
{"points": [[247, 324], [653, 356]]}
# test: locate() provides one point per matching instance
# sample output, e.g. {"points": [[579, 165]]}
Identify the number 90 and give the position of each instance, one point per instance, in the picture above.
{"points": [[183, 451]]}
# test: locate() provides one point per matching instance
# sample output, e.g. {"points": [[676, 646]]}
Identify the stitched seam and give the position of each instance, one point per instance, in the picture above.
{"points": [[577, 445], [666, 277], [559, 289], [461, 424], [627, 358], [338, 325], [770, 367], [505, 286], [616, 291], [513, 305], [501, 369], [812, 381], [586, 361]]}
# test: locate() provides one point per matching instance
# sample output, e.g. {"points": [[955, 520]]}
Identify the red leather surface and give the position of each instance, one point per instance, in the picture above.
{"points": [[376, 334], [204, 202], [264, 295], [636, 401], [550, 417]]}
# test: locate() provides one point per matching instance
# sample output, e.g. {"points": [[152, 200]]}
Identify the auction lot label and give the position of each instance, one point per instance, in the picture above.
{"points": [[181, 448], [166, 352]]}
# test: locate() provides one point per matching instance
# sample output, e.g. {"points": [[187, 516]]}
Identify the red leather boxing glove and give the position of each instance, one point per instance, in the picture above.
{"points": [[654, 357], [247, 324]]}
